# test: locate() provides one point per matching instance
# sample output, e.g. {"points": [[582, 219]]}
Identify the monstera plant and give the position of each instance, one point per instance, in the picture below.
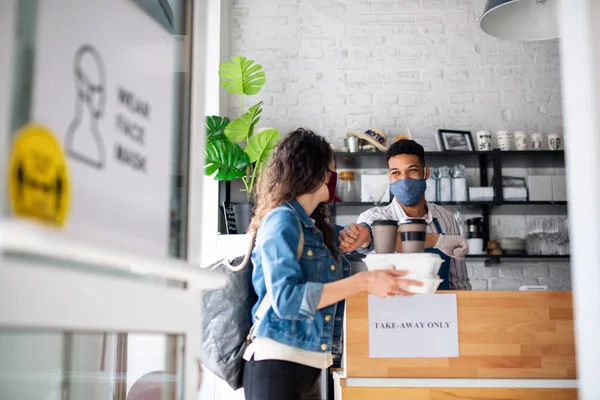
{"points": [[233, 148]]}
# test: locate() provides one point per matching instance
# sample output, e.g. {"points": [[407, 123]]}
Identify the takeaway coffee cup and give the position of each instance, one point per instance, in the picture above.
{"points": [[384, 235], [412, 235]]}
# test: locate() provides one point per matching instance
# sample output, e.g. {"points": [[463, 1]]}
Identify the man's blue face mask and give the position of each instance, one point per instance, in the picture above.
{"points": [[408, 191]]}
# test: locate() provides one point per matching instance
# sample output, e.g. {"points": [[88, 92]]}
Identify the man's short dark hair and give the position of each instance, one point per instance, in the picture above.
{"points": [[406, 146]]}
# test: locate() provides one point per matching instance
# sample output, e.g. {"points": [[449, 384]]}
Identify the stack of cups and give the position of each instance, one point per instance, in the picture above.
{"points": [[412, 235], [422, 267]]}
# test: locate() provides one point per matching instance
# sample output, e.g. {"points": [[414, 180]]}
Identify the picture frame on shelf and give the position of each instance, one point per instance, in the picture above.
{"points": [[429, 140], [453, 140]]}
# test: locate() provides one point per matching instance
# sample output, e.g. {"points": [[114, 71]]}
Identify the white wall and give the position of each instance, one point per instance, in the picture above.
{"points": [[511, 275], [340, 65]]}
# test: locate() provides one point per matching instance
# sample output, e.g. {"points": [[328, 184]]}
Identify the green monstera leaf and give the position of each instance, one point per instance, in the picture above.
{"points": [[261, 146], [241, 128], [215, 125], [242, 76], [228, 160]]}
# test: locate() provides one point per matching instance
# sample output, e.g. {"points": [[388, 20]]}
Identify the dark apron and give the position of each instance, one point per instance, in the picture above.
{"points": [[445, 285]]}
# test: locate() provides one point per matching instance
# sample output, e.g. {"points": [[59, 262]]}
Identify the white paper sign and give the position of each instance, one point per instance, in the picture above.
{"points": [[429, 140], [420, 326], [104, 83]]}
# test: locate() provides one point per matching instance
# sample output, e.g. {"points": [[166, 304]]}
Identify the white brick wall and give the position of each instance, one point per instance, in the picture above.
{"points": [[340, 65], [509, 276]]}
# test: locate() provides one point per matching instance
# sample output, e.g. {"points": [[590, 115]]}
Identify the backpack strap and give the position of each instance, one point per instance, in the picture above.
{"points": [[246, 259], [266, 301]]}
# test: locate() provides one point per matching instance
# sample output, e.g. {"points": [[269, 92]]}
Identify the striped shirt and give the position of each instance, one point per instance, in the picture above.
{"points": [[457, 275]]}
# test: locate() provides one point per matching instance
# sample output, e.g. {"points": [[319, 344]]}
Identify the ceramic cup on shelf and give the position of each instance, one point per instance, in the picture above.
{"points": [[484, 141], [475, 246], [521, 141], [537, 140], [505, 139], [554, 141], [353, 143]]}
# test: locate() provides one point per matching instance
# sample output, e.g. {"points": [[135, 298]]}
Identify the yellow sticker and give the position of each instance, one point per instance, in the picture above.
{"points": [[38, 176]]}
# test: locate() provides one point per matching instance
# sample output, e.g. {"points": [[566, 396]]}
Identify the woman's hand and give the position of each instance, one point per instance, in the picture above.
{"points": [[384, 283]]}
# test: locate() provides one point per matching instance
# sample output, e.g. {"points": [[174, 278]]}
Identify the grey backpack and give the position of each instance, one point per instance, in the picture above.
{"points": [[227, 317]]}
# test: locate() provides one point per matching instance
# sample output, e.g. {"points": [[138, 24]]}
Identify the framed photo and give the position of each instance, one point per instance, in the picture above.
{"points": [[455, 140]]}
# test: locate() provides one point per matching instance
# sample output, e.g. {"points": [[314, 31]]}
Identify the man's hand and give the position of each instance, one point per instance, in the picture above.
{"points": [[353, 237], [453, 245]]}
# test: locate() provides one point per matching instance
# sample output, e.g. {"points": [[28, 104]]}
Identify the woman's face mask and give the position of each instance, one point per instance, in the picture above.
{"points": [[331, 186]]}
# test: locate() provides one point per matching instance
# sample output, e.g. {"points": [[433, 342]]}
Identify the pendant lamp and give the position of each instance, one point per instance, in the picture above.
{"points": [[520, 20]]}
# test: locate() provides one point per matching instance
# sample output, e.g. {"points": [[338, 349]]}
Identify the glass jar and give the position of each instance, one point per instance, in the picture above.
{"points": [[347, 187]]}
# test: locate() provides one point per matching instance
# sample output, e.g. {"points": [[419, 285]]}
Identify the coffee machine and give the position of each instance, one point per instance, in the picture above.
{"points": [[475, 235], [475, 228]]}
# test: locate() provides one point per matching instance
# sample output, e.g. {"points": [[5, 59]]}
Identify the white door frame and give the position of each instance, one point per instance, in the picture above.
{"points": [[580, 67], [204, 204], [122, 292], [8, 30], [203, 216], [63, 305]]}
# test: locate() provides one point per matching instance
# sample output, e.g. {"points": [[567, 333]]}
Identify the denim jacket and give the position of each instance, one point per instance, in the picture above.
{"points": [[295, 287]]}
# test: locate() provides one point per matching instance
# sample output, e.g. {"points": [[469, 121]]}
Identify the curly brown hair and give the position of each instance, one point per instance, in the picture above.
{"points": [[299, 165]]}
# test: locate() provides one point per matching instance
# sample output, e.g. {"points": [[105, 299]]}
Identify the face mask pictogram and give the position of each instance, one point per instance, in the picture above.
{"points": [[83, 140]]}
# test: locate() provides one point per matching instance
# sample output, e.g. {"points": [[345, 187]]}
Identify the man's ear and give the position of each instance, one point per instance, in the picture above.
{"points": [[427, 172]]}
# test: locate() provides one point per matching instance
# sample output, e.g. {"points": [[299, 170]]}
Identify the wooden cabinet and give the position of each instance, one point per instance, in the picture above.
{"points": [[512, 345]]}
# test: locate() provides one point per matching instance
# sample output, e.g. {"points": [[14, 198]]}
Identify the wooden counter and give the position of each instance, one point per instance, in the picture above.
{"points": [[512, 345]]}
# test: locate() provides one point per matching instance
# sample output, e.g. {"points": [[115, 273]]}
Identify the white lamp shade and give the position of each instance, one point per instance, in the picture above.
{"points": [[520, 20]]}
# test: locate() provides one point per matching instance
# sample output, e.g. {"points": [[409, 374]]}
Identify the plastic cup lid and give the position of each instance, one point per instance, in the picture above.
{"points": [[385, 222], [413, 221]]}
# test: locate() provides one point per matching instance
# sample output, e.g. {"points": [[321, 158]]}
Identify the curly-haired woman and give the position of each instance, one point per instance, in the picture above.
{"points": [[299, 311]]}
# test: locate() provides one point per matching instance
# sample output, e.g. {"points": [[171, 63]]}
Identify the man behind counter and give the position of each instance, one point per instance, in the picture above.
{"points": [[408, 175]]}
